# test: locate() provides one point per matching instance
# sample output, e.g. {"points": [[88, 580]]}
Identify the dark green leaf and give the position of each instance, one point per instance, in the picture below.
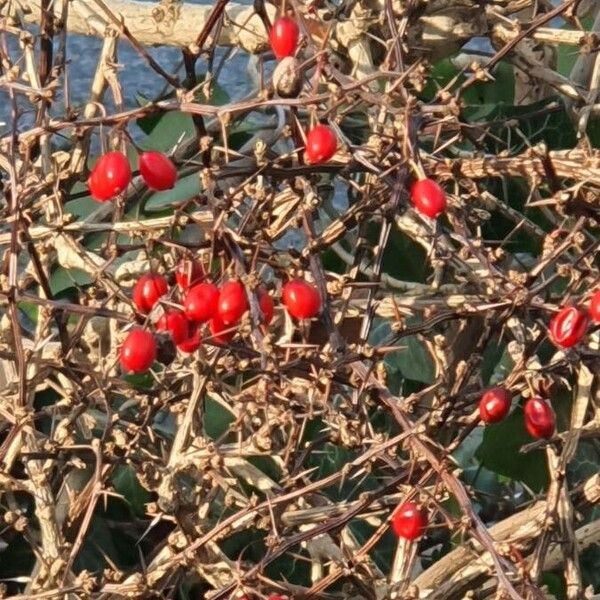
{"points": [[499, 452], [125, 482]]}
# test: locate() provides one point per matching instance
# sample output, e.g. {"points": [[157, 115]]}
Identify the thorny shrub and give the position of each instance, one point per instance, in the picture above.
{"points": [[273, 459]]}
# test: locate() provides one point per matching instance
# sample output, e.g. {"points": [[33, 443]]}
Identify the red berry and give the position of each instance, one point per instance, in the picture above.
{"points": [[428, 197], [157, 170], [301, 299], [176, 324], [595, 307], [200, 303], [539, 418], [147, 291], [193, 341], [284, 37], [233, 302], [187, 273], [409, 521], [138, 351], [276, 597], [111, 176], [218, 331], [568, 326], [321, 144], [266, 305], [494, 405]]}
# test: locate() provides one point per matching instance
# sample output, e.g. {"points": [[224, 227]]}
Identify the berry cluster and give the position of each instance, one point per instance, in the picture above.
{"points": [[203, 303], [539, 417], [112, 174]]}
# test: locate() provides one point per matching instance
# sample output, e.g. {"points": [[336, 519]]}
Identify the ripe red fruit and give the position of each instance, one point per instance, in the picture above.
{"points": [[233, 302], [276, 597], [147, 291], [595, 307], [568, 326], [428, 197], [200, 303], [157, 170], [110, 176], [193, 341], [321, 144], [187, 273], [266, 305], [301, 299], [218, 331], [409, 521], [494, 405], [138, 351], [176, 324], [284, 37], [540, 420]]}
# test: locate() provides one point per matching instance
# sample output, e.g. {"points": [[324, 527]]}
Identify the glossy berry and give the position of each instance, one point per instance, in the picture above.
{"points": [[321, 144], [219, 331], [176, 323], [301, 299], [138, 351], [147, 291], [193, 341], [111, 176], [157, 170], [568, 326], [539, 418], [409, 521], [284, 37], [233, 302], [595, 307], [267, 307], [494, 405], [187, 273], [276, 597], [200, 303], [428, 198]]}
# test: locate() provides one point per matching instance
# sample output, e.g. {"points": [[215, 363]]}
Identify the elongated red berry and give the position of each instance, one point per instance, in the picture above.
{"points": [[148, 290], [428, 197], [539, 417], [409, 521], [321, 144], [110, 176], [233, 302], [595, 307], [200, 303], [188, 273], [494, 405], [266, 305], [157, 170], [301, 299], [193, 341], [284, 37], [176, 323], [568, 326], [220, 333], [138, 351]]}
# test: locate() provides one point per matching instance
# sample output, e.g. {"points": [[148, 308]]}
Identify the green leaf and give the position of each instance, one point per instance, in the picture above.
{"points": [[217, 418], [500, 452], [413, 361], [141, 380], [126, 483], [165, 130], [185, 188], [63, 279]]}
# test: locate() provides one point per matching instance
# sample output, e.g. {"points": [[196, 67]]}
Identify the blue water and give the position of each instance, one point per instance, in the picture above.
{"points": [[135, 76]]}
